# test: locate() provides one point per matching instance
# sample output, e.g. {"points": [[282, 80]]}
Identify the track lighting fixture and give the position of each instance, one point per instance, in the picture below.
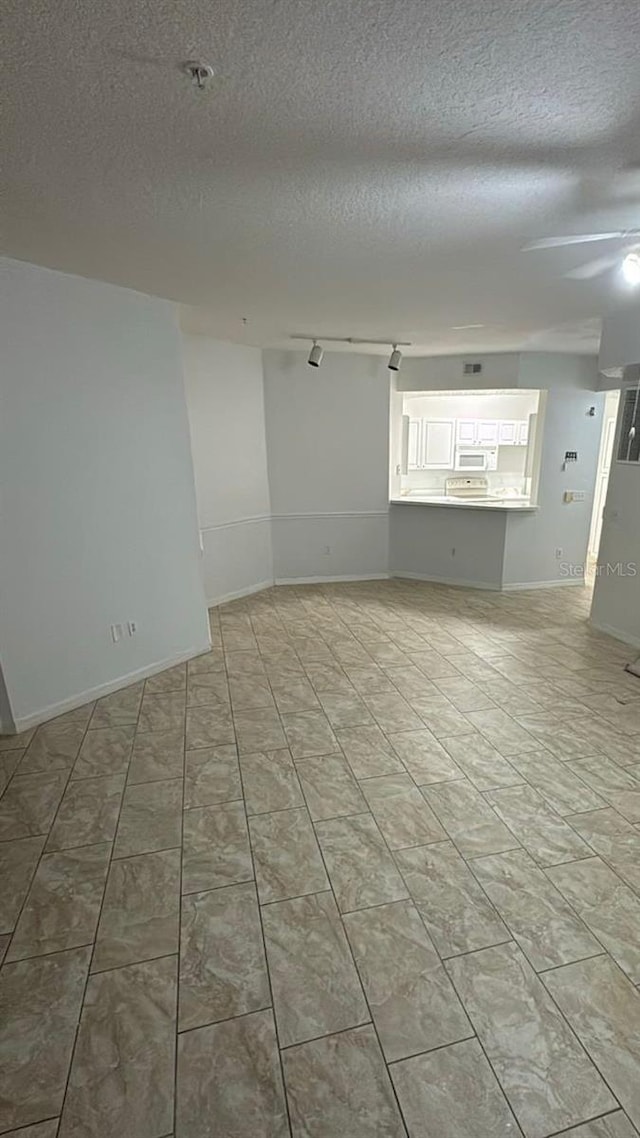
{"points": [[395, 359], [315, 355], [631, 268]]}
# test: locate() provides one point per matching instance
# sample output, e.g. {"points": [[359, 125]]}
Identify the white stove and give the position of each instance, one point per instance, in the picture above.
{"points": [[469, 488]]}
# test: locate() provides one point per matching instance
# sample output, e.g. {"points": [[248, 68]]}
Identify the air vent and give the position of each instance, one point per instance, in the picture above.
{"points": [[471, 369]]}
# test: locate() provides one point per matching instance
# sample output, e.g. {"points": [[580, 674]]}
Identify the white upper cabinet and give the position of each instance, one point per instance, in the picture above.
{"points": [[508, 432], [523, 433], [438, 443], [466, 432], [488, 432]]}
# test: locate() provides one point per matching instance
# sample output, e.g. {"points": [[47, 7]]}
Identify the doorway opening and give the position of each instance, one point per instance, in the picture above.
{"points": [[602, 477]]}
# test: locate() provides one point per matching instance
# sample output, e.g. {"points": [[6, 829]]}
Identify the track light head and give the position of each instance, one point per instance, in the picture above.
{"points": [[395, 359], [315, 355], [631, 268]]}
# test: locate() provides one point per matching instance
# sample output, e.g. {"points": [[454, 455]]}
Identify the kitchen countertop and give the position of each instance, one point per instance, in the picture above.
{"points": [[509, 504]]}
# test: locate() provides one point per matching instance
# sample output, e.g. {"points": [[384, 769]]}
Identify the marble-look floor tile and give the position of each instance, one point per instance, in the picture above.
{"points": [[209, 726], [157, 755], [457, 913], [345, 709], [329, 787], [212, 661], [105, 751], [401, 812], [340, 1085], [309, 733], [54, 747], [481, 763], [270, 782], [609, 907], [18, 861], [368, 752], [140, 913], [392, 712], [150, 819], [329, 677], [442, 718], [39, 1007], [547, 1077], [18, 742], [29, 804], [468, 819], [8, 764], [424, 757], [162, 712], [171, 679], [537, 826], [316, 989], [62, 906], [366, 681], [230, 1072], [40, 1130], [212, 775], [88, 813], [617, 786], [209, 689], [216, 847], [411, 682], [464, 694], [502, 731], [565, 792], [433, 664], [361, 869], [121, 1079], [119, 709], [547, 929], [292, 695], [603, 1008], [286, 855], [223, 970], [413, 1003], [453, 1093], [259, 731], [615, 1125], [249, 692], [615, 839]]}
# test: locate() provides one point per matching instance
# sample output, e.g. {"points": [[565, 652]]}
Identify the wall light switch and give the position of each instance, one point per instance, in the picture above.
{"points": [[116, 633]]}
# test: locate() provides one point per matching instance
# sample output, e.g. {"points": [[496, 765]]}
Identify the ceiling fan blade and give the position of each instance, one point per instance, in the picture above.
{"points": [[591, 269], [574, 239]]}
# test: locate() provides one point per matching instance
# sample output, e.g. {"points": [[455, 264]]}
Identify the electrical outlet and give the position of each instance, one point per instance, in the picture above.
{"points": [[558, 553], [116, 633], [132, 627]]}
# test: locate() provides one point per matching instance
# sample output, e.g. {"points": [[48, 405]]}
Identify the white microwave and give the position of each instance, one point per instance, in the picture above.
{"points": [[476, 458]]}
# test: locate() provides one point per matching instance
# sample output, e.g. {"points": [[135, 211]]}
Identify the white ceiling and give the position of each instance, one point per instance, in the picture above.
{"points": [[358, 167]]}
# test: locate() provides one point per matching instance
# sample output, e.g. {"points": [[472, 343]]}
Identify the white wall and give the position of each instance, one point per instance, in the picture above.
{"points": [[458, 546], [98, 510], [327, 451], [224, 386], [532, 539]]}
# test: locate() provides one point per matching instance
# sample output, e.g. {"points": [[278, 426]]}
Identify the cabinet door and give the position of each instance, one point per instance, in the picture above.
{"points": [[508, 432], [487, 432], [523, 433], [466, 432], [438, 439], [413, 451]]}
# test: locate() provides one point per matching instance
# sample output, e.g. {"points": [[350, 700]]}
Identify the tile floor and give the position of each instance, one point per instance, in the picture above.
{"points": [[370, 867]]}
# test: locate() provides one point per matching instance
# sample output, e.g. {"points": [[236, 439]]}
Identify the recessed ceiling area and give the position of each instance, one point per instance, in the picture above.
{"points": [[351, 167]]}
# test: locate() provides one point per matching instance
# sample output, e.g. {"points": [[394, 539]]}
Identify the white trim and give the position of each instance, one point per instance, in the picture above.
{"points": [[55, 709], [444, 581], [332, 514], [213, 603], [330, 580], [237, 522], [555, 584], [617, 633]]}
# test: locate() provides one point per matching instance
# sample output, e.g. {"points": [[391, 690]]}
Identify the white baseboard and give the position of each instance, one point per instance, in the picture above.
{"points": [[445, 581], [97, 692], [555, 584], [617, 633], [213, 602], [331, 580]]}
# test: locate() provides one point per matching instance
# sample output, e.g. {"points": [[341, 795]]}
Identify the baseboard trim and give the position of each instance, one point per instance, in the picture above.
{"points": [[55, 709], [214, 602], [331, 580], [558, 583], [444, 581], [616, 633]]}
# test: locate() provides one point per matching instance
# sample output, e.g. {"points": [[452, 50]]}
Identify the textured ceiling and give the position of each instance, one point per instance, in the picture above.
{"points": [[363, 167]]}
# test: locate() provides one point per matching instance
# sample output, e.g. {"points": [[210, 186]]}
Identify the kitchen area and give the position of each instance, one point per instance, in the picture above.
{"points": [[476, 449]]}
